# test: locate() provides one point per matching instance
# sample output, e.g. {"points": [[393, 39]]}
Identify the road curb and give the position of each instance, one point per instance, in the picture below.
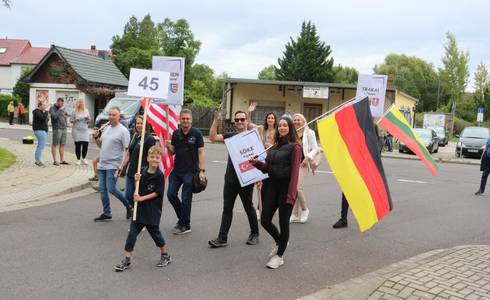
{"points": [[440, 160]]}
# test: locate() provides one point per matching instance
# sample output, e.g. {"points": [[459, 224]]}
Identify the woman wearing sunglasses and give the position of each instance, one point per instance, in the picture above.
{"points": [[282, 164]]}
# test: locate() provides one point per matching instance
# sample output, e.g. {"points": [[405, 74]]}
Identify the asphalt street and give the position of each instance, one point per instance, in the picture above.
{"points": [[57, 252]]}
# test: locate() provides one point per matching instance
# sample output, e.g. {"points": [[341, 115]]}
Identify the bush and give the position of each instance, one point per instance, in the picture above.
{"points": [[460, 124], [4, 102]]}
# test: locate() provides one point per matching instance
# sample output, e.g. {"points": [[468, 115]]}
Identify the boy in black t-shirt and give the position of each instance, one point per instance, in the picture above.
{"points": [[149, 212]]}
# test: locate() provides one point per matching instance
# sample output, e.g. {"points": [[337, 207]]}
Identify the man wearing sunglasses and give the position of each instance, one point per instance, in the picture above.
{"points": [[232, 188]]}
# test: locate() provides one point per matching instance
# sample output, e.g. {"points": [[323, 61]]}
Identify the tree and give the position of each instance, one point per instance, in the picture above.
{"points": [[21, 88], [307, 58], [413, 76], [455, 74], [268, 73], [7, 3], [345, 74], [482, 83]]}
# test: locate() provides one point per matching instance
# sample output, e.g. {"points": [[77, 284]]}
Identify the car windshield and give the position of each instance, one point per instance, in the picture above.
{"points": [[439, 130], [127, 106], [475, 132], [423, 133]]}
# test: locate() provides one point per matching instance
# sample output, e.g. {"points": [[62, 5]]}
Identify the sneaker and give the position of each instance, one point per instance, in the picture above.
{"points": [[78, 162], [64, 162], [294, 219], [181, 230], [103, 217], [253, 239], [275, 262], [341, 223], [217, 243], [165, 259], [304, 216], [123, 265], [258, 214], [84, 162], [56, 163], [129, 212], [95, 178], [478, 193], [39, 164], [274, 250]]}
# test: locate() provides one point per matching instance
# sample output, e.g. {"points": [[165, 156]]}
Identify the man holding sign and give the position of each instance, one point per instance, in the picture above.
{"points": [[232, 187]]}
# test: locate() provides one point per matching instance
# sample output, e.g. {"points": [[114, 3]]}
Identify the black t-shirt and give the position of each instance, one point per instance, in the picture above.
{"points": [[230, 174], [186, 146], [150, 211], [134, 152]]}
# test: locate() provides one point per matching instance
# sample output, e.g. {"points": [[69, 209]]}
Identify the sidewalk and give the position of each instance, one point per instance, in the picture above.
{"points": [[456, 273], [25, 184]]}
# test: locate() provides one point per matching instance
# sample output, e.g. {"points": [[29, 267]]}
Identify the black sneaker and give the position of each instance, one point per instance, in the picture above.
{"points": [[217, 243], [95, 178], [478, 193], [341, 223], [253, 239], [181, 230], [129, 212], [165, 259], [123, 266], [103, 217]]}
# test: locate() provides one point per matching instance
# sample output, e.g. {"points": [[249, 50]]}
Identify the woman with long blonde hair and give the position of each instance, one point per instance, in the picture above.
{"points": [[80, 118]]}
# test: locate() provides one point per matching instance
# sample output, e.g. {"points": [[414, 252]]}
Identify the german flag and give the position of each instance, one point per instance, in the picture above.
{"points": [[396, 124], [351, 147]]}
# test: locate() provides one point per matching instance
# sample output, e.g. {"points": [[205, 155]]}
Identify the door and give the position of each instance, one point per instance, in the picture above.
{"points": [[312, 111]]}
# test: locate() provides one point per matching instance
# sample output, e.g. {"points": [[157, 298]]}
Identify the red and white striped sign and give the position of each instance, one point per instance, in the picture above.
{"points": [[157, 117]]}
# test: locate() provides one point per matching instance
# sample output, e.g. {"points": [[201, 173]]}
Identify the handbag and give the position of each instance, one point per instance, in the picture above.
{"points": [[198, 185]]}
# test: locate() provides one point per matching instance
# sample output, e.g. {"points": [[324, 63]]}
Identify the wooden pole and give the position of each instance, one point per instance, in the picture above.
{"points": [[140, 156]]}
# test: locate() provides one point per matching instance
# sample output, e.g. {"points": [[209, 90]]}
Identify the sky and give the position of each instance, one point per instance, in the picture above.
{"points": [[242, 37]]}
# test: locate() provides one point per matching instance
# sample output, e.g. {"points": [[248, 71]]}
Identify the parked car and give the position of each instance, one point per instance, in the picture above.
{"points": [[443, 135], [130, 108], [472, 141], [428, 137]]}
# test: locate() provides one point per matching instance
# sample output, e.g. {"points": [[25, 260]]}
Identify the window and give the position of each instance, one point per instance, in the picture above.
{"points": [[3, 50], [258, 116]]}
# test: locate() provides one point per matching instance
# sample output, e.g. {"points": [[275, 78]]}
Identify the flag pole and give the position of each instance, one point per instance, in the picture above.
{"points": [[317, 118], [140, 156]]}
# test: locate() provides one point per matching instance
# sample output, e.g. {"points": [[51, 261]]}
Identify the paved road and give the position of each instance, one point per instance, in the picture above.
{"points": [[56, 251]]}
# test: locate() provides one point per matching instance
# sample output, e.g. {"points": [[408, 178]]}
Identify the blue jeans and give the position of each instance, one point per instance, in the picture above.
{"points": [[41, 136], [129, 190], [107, 184], [182, 208]]}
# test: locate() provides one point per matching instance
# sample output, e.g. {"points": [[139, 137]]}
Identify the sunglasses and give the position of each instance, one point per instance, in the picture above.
{"points": [[240, 119]]}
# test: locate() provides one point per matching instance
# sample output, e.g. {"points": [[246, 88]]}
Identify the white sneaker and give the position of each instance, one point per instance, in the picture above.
{"points": [[294, 219], [275, 262], [258, 214], [304, 216], [78, 162], [84, 161]]}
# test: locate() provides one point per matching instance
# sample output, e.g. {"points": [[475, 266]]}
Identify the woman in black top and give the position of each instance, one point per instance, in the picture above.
{"points": [[40, 126], [130, 159]]}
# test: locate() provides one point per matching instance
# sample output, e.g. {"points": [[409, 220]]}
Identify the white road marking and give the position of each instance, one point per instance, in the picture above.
{"points": [[410, 181], [219, 161]]}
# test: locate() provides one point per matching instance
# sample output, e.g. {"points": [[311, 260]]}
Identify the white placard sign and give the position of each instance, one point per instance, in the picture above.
{"points": [[315, 92], [374, 87], [148, 83], [176, 67], [240, 148]]}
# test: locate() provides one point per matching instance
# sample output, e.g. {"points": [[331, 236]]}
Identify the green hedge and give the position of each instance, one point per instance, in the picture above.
{"points": [[460, 124], [4, 102]]}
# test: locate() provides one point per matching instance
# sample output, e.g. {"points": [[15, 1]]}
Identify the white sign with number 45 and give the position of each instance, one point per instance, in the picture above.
{"points": [[148, 83]]}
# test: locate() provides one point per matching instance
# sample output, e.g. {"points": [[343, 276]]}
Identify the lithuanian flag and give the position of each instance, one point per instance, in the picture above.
{"points": [[396, 124], [350, 144]]}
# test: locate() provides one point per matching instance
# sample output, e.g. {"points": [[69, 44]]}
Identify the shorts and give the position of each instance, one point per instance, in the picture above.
{"points": [[59, 136]]}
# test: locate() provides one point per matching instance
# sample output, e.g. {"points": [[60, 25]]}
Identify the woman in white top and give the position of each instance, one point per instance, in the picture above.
{"points": [[80, 118], [310, 149]]}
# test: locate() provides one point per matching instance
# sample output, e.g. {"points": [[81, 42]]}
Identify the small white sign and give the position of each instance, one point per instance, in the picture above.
{"points": [[176, 67], [374, 87], [148, 83], [315, 92], [240, 148]]}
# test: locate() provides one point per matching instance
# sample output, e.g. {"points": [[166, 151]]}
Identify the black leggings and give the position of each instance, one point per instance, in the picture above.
{"points": [[345, 208], [81, 148], [276, 196]]}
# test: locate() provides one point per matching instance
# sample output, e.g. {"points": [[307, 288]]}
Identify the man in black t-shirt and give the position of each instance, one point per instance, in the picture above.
{"points": [[232, 188], [188, 145]]}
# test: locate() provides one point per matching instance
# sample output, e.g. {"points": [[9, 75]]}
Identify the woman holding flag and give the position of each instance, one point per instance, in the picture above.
{"points": [[282, 164], [130, 159]]}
